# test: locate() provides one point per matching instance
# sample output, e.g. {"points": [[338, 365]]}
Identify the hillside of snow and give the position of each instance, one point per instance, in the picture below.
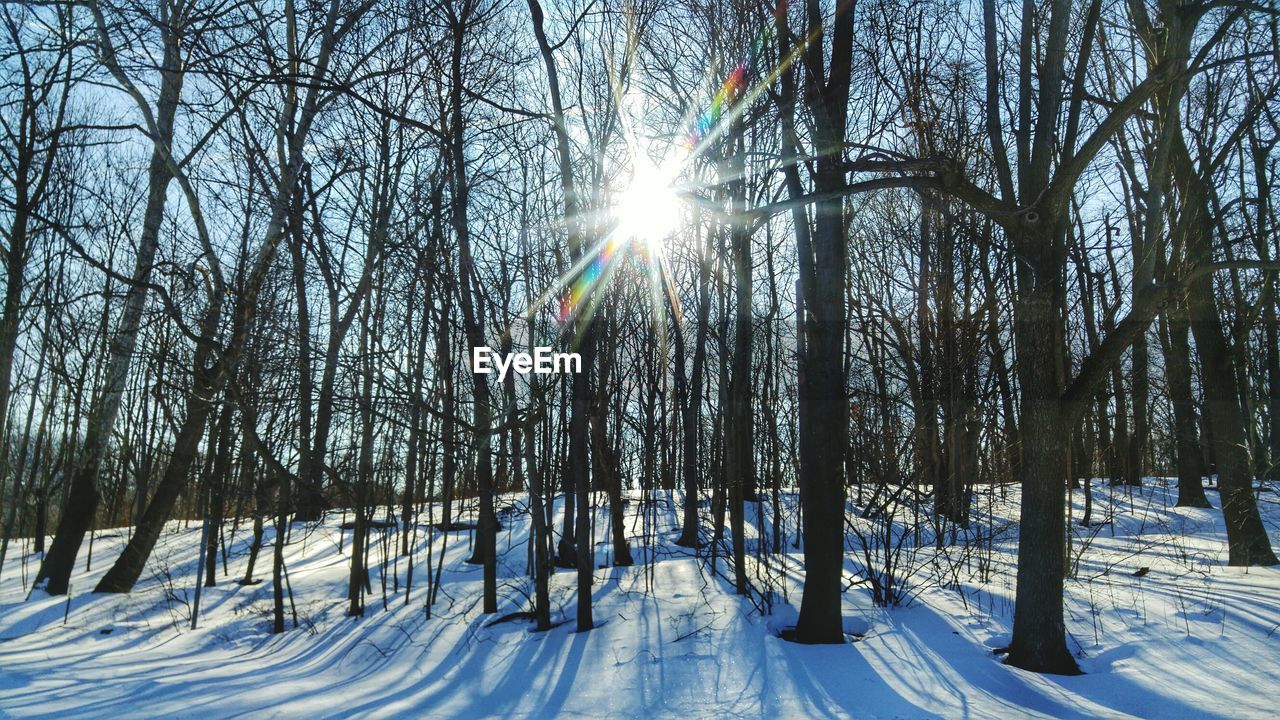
{"points": [[1186, 637]]}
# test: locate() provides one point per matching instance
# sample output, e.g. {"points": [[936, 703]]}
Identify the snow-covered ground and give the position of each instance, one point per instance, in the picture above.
{"points": [[1189, 637]]}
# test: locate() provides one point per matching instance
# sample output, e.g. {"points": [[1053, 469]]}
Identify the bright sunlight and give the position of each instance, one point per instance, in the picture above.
{"points": [[649, 208]]}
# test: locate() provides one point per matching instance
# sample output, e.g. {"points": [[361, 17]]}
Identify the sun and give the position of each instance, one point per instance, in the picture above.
{"points": [[648, 209]]}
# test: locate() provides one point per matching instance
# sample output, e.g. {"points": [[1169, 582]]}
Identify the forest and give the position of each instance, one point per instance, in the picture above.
{"points": [[648, 358]]}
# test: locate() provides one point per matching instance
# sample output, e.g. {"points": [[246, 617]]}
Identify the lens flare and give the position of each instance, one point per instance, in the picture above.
{"points": [[734, 87], [594, 272], [648, 210]]}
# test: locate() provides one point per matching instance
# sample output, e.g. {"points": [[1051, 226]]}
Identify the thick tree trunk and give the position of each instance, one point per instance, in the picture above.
{"points": [[823, 395], [1039, 633], [689, 515], [606, 466], [310, 504], [1141, 393], [823, 434], [1247, 540], [567, 548], [15, 263]]}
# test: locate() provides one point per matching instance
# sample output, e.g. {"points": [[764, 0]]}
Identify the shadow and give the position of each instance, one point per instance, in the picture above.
{"points": [[685, 646]]}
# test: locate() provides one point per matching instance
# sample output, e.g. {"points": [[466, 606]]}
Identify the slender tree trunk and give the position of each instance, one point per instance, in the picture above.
{"points": [[739, 454], [541, 539], [608, 473], [358, 579], [689, 394], [579, 462], [448, 431], [126, 570], [473, 322], [411, 479], [310, 503], [1271, 336], [1177, 362], [81, 505], [580, 404], [218, 476], [277, 556]]}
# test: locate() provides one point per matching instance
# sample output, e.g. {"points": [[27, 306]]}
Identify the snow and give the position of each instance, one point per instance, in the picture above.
{"points": [[1190, 638]]}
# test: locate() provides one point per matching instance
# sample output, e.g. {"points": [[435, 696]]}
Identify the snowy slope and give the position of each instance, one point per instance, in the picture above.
{"points": [[1190, 638]]}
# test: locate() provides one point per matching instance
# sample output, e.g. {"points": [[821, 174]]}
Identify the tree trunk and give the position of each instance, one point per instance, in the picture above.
{"points": [[126, 570], [1177, 361], [1039, 633], [541, 540], [824, 405], [739, 450], [217, 491], [473, 322], [1247, 540], [82, 500], [689, 394]]}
